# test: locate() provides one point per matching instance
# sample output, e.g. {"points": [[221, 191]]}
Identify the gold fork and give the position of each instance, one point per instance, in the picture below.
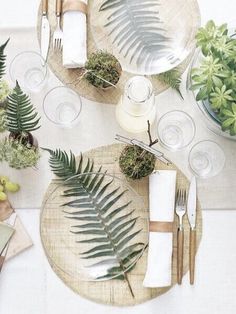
{"points": [[180, 209]]}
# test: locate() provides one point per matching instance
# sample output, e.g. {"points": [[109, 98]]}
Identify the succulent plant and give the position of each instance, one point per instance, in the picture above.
{"points": [[215, 78], [103, 70]]}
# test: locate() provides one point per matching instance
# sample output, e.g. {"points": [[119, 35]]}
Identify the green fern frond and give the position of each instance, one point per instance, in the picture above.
{"points": [[103, 224], [20, 114], [171, 78], [64, 166], [3, 59]]}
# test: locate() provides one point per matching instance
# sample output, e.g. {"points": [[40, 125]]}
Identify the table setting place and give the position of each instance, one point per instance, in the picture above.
{"points": [[120, 224]]}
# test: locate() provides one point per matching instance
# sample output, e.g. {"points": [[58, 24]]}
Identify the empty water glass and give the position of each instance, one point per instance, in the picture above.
{"points": [[176, 130], [30, 70], [206, 159], [62, 106]]}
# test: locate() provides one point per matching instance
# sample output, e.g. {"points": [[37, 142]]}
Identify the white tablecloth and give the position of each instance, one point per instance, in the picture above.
{"points": [[29, 279]]}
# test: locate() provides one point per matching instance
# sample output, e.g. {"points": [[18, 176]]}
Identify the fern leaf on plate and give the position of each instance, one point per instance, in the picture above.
{"points": [[102, 219], [136, 29], [21, 116], [3, 59]]}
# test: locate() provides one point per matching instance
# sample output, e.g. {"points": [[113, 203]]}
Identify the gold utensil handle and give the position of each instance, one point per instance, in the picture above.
{"points": [[192, 253], [180, 254], [45, 7], [58, 7], [2, 259]]}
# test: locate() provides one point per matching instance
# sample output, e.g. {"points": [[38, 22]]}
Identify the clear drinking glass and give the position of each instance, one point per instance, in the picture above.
{"points": [[206, 159], [176, 130], [62, 106], [30, 70], [137, 105]]}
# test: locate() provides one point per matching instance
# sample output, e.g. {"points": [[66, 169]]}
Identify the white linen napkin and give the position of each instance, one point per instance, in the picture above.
{"points": [[161, 202], [74, 39]]}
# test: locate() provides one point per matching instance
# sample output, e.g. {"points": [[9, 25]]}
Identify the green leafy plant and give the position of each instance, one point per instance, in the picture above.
{"points": [[2, 120], [171, 78], [208, 36], [3, 59], [21, 115], [215, 78], [229, 119], [102, 221], [103, 70], [136, 29], [4, 88], [17, 154]]}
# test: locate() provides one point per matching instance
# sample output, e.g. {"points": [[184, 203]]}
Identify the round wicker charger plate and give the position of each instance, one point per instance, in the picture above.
{"points": [[115, 292], [70, 77]]}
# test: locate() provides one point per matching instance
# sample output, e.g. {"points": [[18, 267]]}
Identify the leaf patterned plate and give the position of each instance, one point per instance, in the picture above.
{"points": [[100, 227], [147, 37]]}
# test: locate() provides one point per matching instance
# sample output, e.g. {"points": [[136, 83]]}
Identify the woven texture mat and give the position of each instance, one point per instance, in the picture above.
{"points": [[70, 77], [114, 292]]}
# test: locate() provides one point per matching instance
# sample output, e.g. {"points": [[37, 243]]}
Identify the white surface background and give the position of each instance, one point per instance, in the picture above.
{"points": [[29, 286]]}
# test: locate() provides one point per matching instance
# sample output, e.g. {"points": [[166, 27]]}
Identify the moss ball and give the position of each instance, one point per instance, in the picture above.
{"points": [[136, 163], [102, 67]]}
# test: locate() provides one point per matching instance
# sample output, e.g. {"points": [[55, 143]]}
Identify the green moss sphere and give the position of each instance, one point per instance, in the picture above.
{"points": [[136, 163], [101, 67]]}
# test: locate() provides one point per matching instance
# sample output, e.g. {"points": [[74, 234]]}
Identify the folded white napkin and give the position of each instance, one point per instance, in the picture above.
{"points": [[75, 39], [162, 202]]}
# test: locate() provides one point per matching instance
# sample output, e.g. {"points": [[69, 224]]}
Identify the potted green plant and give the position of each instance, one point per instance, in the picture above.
{"points": [[102, 70], [137, 163], [4, 88], [20, 147], [214, 79]]}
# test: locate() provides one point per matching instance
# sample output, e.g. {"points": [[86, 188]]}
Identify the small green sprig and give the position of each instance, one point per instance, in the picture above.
{"points": [[171, 78]]}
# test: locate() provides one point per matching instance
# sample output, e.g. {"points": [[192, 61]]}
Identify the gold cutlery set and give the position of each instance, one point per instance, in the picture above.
{"points": [[45, 29], [186, 205]]}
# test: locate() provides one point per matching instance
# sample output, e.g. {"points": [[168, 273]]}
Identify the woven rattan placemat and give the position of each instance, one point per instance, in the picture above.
{"points": [[70, 77], [113, 292]]}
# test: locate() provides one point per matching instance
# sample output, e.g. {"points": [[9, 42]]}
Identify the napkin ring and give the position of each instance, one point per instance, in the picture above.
{"points": [[161, 226], [75, 5]]}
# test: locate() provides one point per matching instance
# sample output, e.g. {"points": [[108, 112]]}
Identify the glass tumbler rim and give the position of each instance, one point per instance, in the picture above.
{"points": [[65, 88], [131, 81], [182, 113], [191, 150], [28, 52]]}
